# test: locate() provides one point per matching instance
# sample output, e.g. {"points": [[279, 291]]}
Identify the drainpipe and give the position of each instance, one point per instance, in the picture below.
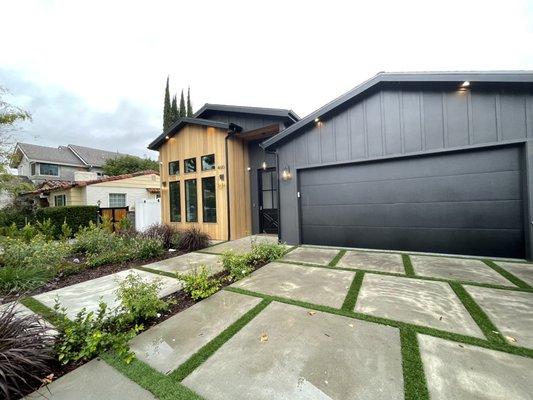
{"points": [[233, 129]]}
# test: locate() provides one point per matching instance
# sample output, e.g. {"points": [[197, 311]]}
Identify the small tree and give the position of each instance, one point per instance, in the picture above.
{"points": [[174, 109], [183, 111], [189, 104], [167, 111], [129, 164]]}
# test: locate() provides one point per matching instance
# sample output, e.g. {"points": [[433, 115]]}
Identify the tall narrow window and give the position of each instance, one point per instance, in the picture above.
{"points": [[191, 201], [175, 203], [174, 168], [190, 165], [209, 199], [208, 162]]}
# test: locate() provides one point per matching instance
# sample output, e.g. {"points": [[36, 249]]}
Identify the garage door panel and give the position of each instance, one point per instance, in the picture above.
{"points": [[475, 210], [504, 215], [492, 160], [487, 186]]}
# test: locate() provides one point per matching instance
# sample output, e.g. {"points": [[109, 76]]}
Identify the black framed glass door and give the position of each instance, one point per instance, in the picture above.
{"points": [[268, 200]]}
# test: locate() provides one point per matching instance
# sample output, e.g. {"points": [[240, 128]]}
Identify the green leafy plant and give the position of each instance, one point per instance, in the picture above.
{"points": [[140, 299], [46, 229], [11, 231], [175, 240], [198, 284], [264, 252], [16, 279], [26, 346], [75, 216], [66, 231], [236, 265], [28, 232], [36, 253], [90, 334], [94, 240], [144, 248], [106, 223], [163, 232], [193, 239]]}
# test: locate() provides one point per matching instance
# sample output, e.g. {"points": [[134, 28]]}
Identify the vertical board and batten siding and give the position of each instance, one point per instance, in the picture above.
{"points": [[194, 141], [396, 122]]}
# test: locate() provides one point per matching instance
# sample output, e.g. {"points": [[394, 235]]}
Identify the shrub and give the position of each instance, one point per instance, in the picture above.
{"points": [[25, 349], [75, 216], [46, 228], [193, 239], [37, 253], [163, 232], [93, 239], [199, 284], [90, 334], [236, 265], [144, 248], [28, 232], [15, 279], [66, 231], [264, 252], [140, 299], [175, 240]]}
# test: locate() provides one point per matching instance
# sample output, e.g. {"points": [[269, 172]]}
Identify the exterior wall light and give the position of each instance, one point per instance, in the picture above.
{"points": [[167, 137], [264, 165], [248, 169], [286, 174], [465, 84], [317, 120]]}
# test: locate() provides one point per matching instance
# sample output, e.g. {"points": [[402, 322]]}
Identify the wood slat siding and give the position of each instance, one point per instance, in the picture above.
{"points": [[193, 142]]}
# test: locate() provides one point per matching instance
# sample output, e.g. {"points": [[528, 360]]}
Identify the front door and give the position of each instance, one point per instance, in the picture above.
{"points": [[268, 200]]}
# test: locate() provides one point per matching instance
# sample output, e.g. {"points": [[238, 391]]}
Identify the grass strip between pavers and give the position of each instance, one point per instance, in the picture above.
{"points": [[409, 270], [353, 292], [205, 352], [337, 258], [507, 275], [478, 315], [414, 378], [455, 337], [157, 272], [44, 311], [160, 385]]}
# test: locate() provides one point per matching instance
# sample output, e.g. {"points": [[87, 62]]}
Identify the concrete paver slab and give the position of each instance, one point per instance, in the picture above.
{"points": [[384, 262], [511, 311], [311, 284], [242, 245], [312, 255], [169, 344], [464, 372], [23, 311], [520, 270], [459, 269], [319, 356], [87, 294], [188, 262], [95, 380], [415, 301]]}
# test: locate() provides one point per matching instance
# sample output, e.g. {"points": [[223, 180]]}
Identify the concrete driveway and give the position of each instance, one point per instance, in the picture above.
{"points": [[327, 323]]}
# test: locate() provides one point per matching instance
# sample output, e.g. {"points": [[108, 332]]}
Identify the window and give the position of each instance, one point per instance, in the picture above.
{"points": [[174, 168], [117, 199], [208, 162], [60, 200], [175, 203], [191, 201], [209, 199], [32, 169], [49, 169], [190, 165]]}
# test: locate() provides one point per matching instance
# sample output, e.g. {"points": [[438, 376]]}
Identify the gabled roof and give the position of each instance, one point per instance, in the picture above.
{"points": [[180, 123], [422, 77], [93, 157], [276, 112], [57, 155], [50, 186]]}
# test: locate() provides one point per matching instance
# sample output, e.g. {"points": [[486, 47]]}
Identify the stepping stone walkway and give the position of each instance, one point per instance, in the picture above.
{"points": [[242, 245], [169, 344], [458, 269], [187, 263], [314, 285], [92, 381], [288, 353], [463, 372], [419, 302], [521, 270], [312, 255], [88, 294], [383, 262]]}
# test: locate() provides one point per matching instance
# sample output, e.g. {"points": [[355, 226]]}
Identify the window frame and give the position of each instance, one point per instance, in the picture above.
{"points": [[63, 197], [170, 196], [119, 194], [187, 200], [203, 200], [41, 172], [170, 164], [33, 169], [185, 165], [202, 162]]}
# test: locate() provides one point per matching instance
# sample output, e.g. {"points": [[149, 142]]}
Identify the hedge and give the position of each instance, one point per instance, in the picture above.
{"points": [[75, 216]]}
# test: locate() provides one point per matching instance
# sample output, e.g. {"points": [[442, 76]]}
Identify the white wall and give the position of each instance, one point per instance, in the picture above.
{"points": [[96, 192]]}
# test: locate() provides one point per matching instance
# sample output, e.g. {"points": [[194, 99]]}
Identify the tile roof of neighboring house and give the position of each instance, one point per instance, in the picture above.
{"points": [[93, 157], [153, 190], [50, 186], [60, 155]]}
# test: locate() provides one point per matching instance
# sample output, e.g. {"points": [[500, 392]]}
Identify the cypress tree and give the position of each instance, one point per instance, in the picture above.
{"points": [[174, 109], [183, 111], [167, 112], [189, 105]]}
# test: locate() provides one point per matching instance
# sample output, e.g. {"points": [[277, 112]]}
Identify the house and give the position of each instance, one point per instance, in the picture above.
{"points": [[426, 161], [42, 163], [89, 189]]}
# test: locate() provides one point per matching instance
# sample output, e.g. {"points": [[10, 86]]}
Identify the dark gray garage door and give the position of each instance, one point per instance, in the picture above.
{"points": [[463, 203]]}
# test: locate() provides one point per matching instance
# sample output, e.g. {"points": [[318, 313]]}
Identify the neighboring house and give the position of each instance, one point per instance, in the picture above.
{"points": [[6, 196], [431, 161], [88, 189], [42, 163]]}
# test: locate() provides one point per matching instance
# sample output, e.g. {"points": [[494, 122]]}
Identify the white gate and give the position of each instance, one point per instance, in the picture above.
{"points": [[147, 212]]}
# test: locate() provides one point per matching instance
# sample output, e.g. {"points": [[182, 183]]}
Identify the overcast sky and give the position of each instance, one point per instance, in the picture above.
{"points": [[93, 72]]}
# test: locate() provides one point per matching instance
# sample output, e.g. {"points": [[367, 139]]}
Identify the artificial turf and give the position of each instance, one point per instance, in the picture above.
{"points": [[353, 292]]}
